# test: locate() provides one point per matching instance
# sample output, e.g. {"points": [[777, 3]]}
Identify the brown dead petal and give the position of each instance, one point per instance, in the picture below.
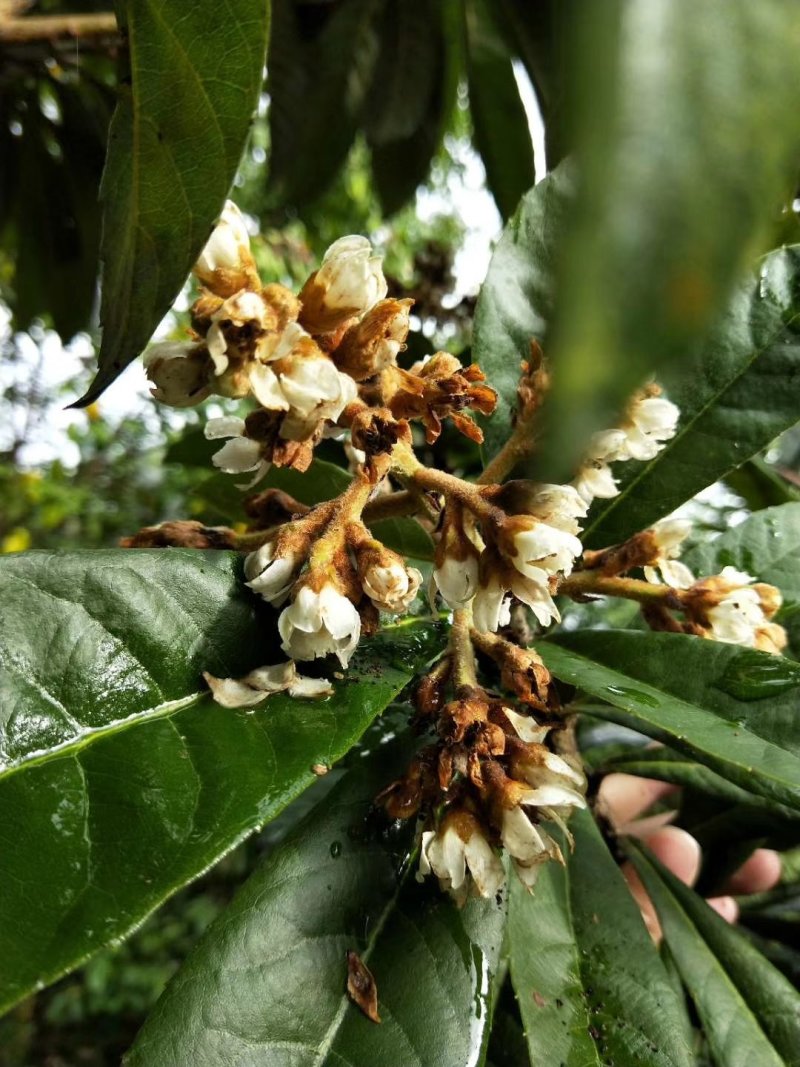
{"points": [[361, 987], [319, 769]]}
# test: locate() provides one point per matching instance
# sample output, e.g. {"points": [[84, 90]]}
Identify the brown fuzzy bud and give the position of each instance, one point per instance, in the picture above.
{"points": [[181, 534], [273, 507]]}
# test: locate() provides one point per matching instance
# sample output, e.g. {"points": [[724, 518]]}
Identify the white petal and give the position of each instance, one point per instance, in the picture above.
{"points": [[239, 455], [526, 727], [232, 693], [266, 388], [227, 426], [310, 688]]}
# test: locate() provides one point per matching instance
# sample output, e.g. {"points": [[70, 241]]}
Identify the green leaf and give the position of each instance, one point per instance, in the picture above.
{"points": [[761, 485], [174, 145], [405, 536], [121, 780], [687, 123], [499, 122], [590, 984], [266, 985], [320, 68], [516, 300], [536, 33], [732, 709], [750, 1012], [401, 164], [739, 392]]}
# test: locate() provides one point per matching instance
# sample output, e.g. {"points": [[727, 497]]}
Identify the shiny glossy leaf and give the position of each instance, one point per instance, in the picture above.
{"points": [[536, 33], [732, 709], [750, 1012], [516, 300], [590, 984], [400, 164], [121, 780], [499, 123], [738, 393], [405, 536], [321, 63], [266, 985], [174, 145], [687, 124], [761, 485]]}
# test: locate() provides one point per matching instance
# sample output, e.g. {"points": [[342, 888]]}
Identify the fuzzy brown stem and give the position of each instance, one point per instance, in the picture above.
{"points": [[519, 445], [590, 583], [461, 651]]}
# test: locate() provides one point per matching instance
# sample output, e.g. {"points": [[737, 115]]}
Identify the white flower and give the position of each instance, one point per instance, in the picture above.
{"points": [[244, 308], [539, 547], [241, 454], [669, 536], [529, 846], [595, 480], [491, 607], [560, 506], [458, 846], [351, 276], [260, 683], [554, 782], [739, 615], [391, 588], [270, 577], [457, 580], [317, 623], [652, 420], [223, 250], [180, 371], [315, 390]]}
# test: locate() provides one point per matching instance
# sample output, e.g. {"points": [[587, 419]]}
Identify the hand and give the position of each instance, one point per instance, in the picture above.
{"points": [[623, 798]]}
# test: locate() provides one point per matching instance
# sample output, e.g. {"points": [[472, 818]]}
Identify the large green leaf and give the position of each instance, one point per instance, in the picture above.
{"points": [[174, 144], [121, 780], [739, 392], [591, 987], [733, 709], [401, 162], [266, 985], [516, 300], [750, 1012], [536, 33], [687, 122], [499, 122], [320, 68]]}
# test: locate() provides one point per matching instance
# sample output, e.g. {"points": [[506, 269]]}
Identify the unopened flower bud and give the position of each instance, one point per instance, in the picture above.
{"points": [[390, 585], [317, 623], [226, 261], [348, 283], [269, 574], [374, 342], [181, 372]]}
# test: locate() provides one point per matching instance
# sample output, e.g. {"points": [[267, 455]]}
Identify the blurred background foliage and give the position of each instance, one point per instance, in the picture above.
{"points": [[417, 122]]}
